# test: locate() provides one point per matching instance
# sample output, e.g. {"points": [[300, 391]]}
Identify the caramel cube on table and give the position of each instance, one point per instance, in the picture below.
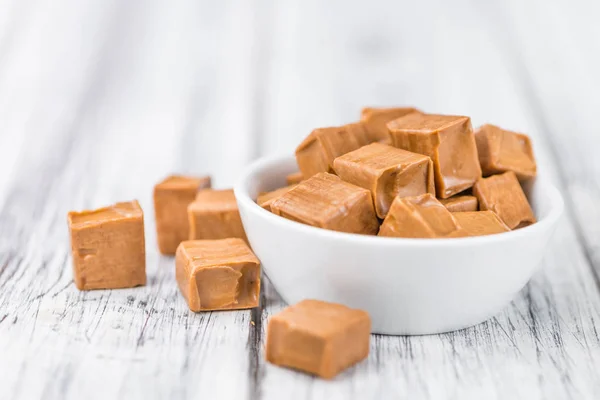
{"points": [[294, 178], [316, 153], [327, 202], [503, 195], [376, 120], [217, 274], [265, 199], [501, 151], [318, 337], [450, 143], [480, 223], [108, 247], [171, 199], [387, 172], [214, 214], [461, 203], [419, 217]]}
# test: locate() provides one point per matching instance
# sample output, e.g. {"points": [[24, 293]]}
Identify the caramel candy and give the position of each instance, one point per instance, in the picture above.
{"points": [[215, 215], [318, 337], [217, 274], [265, 199], [171, 199], [480, 223], [325, 201], [316, 153], [450, 143], [460, 203], [294, 178], [376, 119], [503, 195], [108, 247], [419, 217], [501, 151], [387, 172]]}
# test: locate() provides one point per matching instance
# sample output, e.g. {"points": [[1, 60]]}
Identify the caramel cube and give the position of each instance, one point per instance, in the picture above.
{"points": [[419, 217], [171, 199], [316, 153], [217, 274], [387, 172], [480, 223], [327, 202], [376, 120], [503, 195], [265, 199], [108, 247], [215, 215], [460, 203], [450, 143], [294, 178], [500, 151], [319, 338]]}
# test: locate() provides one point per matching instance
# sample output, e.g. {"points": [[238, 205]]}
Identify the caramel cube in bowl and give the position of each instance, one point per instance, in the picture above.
{"points": [[503, 195], [480, 223], [108, 247], [460, 203], [217, 274], [387, 172], [171, 199], [450, 143], [501, 151], [318, 337], [294, 178], [265, 199], [326, 201], [214, 214], [419, 217], [376, 119]]}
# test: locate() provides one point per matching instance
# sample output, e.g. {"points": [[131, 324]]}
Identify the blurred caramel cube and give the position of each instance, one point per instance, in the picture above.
{"points": [[480, 223], [325, 201], [503, 195], [318, 337], [419, 217], [501, 151], [171, 199], [316, 153], [217, 274], [450, 143], [108, 247], [376, 120], [294, 178], [387, 172], [265, 199], [214, 214], [460, 203]]}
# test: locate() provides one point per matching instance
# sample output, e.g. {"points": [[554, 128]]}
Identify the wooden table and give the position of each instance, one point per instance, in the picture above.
{"points": [[100, 100]]}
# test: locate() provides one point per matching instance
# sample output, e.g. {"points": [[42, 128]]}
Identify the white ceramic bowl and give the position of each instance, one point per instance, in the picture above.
{"points": [[408, 286]]}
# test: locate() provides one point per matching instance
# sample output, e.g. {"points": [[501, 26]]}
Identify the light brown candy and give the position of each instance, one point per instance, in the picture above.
{"points": [[215, 215], [419, 217], [450, 143], [500, 151], [376, 119], [325, 201], [217, 274], [460, 203], [171, 199], [265, 199], [318, 337], [316, 153], [387, 172], [294, 178], [108, 247], [480, 223], [503, 195]]}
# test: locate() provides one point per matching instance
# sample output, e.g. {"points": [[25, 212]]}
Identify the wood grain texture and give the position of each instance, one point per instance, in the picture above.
{"points": [[100, 101]]}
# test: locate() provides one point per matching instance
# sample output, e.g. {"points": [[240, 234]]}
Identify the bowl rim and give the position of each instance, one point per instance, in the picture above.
{"points": [[241, 190]]}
